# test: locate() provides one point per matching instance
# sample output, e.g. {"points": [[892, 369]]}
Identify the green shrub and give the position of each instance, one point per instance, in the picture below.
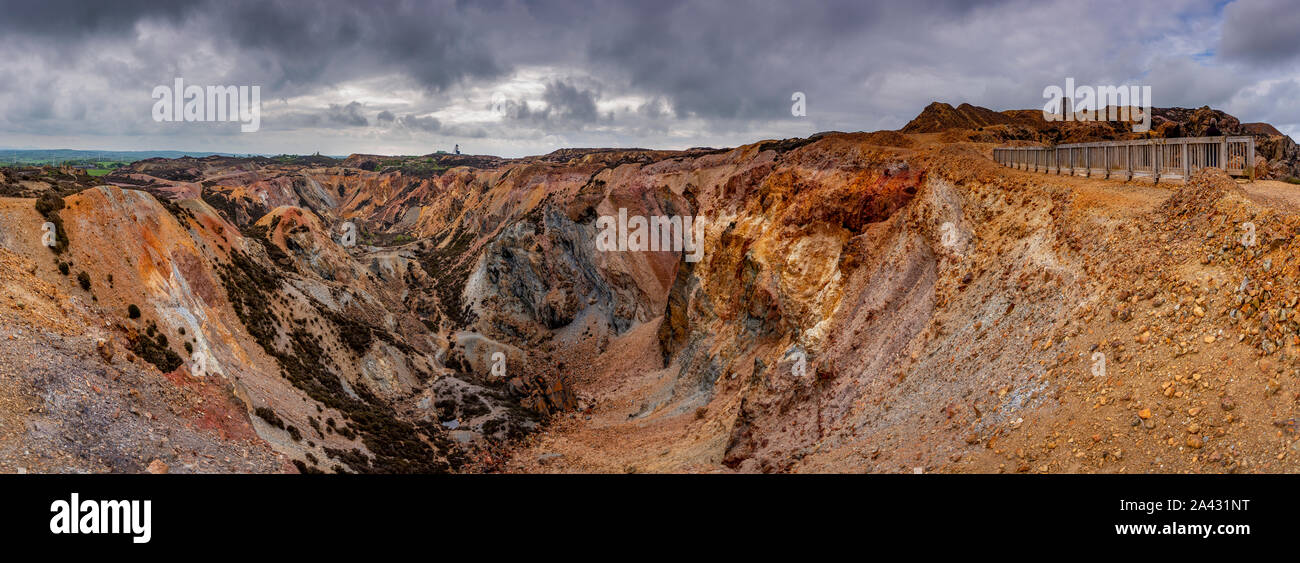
{"points": [[132, 311], [269, 416], [83, 279], [156, 353], [48, 205]]}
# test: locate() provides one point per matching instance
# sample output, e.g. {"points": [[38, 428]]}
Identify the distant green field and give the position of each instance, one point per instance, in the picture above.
{"points": [[98, 171]]}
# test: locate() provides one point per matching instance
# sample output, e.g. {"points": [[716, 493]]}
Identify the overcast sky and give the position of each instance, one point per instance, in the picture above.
{"points": [[513, 78]]}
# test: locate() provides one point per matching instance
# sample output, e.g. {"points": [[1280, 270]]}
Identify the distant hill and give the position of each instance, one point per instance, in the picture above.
{"points": [[50, 156], [939, 116]]}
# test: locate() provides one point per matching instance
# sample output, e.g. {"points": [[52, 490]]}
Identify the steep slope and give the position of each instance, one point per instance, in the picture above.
{"points": [[861, 302], [974, 351]]}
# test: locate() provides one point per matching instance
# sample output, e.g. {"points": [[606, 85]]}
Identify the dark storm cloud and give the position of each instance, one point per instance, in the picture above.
{"points": [[76, 19], [311, 43], [1262, 31], [336, 115], [567, 102], [427, 124], [711, 59], [564, 104], [722, 71], [719, 59], [289, 45], [347, 115]]}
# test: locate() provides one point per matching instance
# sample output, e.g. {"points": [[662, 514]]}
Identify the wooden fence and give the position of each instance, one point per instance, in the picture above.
{"points": [[1158, 159]]}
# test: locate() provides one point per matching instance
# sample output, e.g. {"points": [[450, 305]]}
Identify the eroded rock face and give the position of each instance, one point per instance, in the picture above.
{"points": [[476, 296], [860, 301]]}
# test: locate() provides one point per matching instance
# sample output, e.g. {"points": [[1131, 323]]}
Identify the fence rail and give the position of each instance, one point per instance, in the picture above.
{"points": [[1158, 159]]}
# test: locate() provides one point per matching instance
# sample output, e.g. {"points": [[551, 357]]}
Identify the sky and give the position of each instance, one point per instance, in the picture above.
{"points": [[516, 77]]}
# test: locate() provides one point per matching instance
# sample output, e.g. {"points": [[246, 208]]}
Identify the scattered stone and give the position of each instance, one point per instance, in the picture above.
{"points": [[1272, 387], [1288, 426], [158, 467], [105, 349]]}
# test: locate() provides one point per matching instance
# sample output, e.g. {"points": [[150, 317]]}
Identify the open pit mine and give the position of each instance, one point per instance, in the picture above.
{"points": [[881, 302]]}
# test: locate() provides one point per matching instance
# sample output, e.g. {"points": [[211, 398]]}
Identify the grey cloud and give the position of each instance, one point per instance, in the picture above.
{"points": [[653, 109], [565, 105], [1261, 31], [345, 115], [74, 19], [566, 102], [1274, 104], [427, 124], [288, 46], [700, 72], [349, 115]]}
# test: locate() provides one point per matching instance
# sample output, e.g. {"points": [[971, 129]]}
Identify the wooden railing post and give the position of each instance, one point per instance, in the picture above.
{"points": [[1157, 156], [1187, 165], [1250, 158]]}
